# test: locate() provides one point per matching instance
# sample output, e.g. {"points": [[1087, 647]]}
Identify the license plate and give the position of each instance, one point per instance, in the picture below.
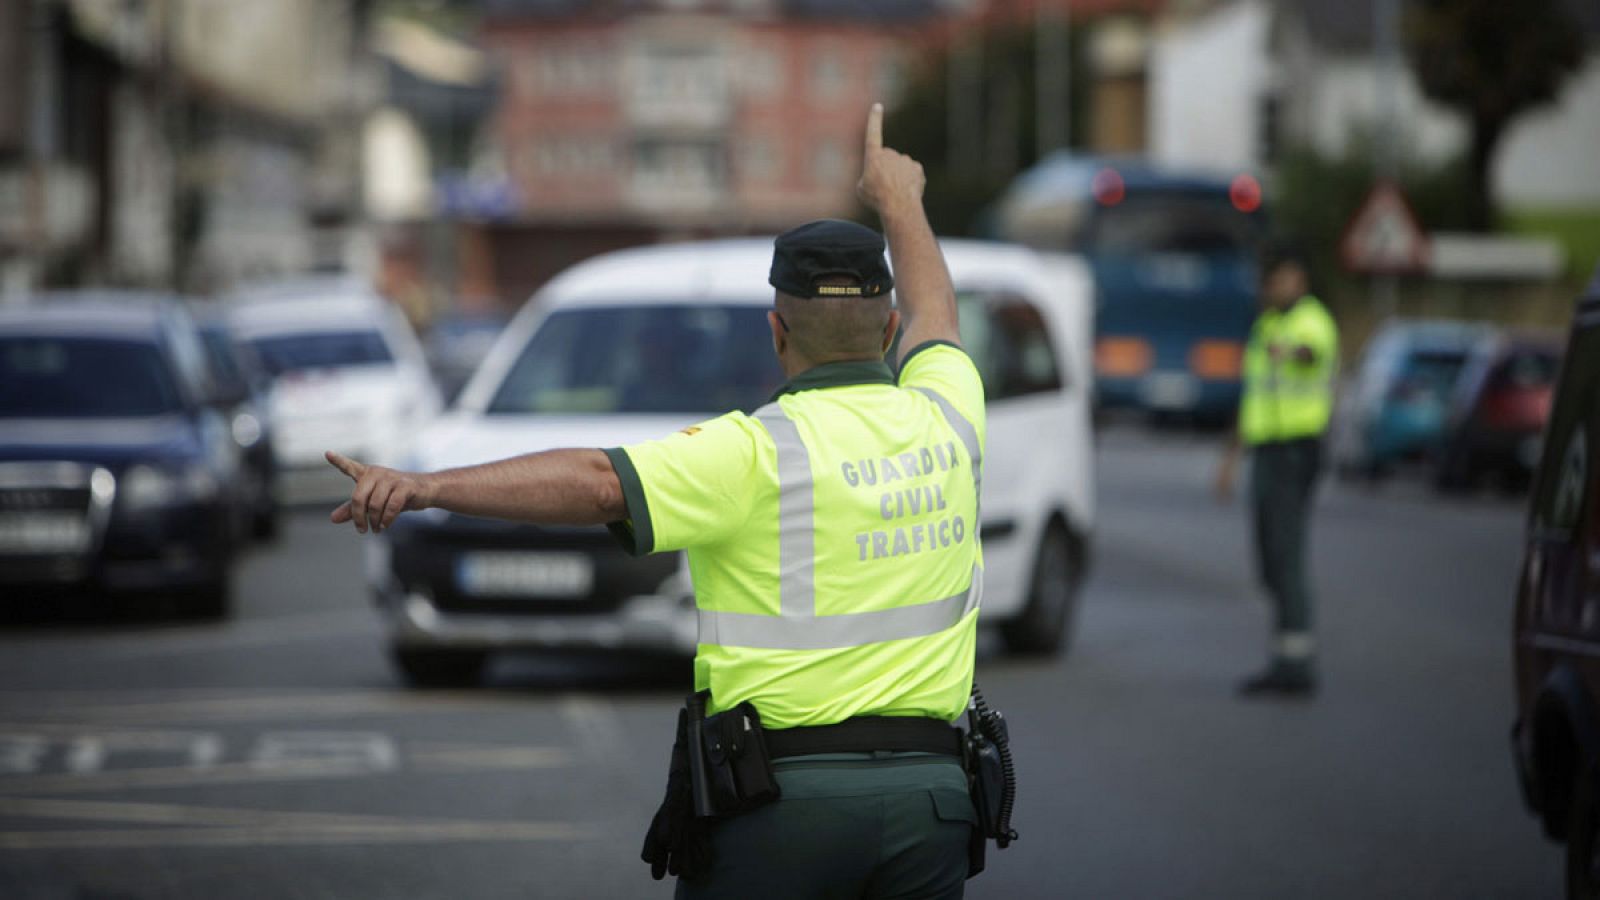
{"points": [[554, 575], [1169, 390], [43, 532]]}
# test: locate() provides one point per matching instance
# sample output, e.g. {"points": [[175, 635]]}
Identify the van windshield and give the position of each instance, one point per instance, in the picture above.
{"points": [[49, 377], [644, 359], [1200, 224], [321, 350]]}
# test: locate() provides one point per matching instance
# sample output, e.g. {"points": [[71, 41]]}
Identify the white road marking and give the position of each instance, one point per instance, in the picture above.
{"points": [[223, 826], [170, 838], [468, 758], [362, 752], [248, 708], [21, 753], [89, 752], [299, 762], [122, 646]]}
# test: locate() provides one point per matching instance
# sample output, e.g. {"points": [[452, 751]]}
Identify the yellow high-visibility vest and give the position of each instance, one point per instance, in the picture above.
{"points": [[832, 539], [1284, 398]]}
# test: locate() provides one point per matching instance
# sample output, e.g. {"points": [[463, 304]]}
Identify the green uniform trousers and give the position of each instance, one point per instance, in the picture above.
{"points": [[1283, 476], [848, 825]]}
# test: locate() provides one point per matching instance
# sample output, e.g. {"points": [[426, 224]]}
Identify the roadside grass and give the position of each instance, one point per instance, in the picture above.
{"points": [[1577, 230]]}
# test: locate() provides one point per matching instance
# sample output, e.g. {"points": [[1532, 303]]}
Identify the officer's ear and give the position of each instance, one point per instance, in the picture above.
{"points": [[780, 334], [890, 330]]}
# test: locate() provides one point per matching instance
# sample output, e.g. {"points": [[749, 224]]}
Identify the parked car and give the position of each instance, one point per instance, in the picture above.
{"points": [[1498, 410], [637, 344], [115, 466], [346, 373], [1556, 634], [1398, 400], [241, 387], [456, 344]]}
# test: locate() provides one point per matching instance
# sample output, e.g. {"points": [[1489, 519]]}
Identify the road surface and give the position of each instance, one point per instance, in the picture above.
{"points": [[275, 755]]}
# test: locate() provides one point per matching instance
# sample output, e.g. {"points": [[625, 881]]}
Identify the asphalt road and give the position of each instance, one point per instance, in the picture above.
{"points": [[276, 756]]}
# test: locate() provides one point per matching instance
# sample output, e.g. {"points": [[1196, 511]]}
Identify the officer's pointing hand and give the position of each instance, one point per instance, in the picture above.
{"points": [[380, 494], [890, 181]]}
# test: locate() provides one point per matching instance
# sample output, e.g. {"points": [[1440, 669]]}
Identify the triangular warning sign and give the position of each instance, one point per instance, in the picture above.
{"points": [[1384, 236]]}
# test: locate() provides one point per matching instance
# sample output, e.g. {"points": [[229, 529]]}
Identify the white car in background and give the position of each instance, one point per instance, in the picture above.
{"points": [[640, 343], [347, 374]]}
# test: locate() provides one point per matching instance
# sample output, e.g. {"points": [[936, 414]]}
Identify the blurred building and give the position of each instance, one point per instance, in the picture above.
{"points": [[188, 143], [1232, 82], [629, 122]]}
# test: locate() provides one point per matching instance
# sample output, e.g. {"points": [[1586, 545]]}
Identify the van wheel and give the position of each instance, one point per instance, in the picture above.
{"points": [[1045, 626], [428, 667], [1583, 848]]}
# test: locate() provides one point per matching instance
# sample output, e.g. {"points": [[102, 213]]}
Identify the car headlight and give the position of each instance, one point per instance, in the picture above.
{"points": [[246, 429], [144, 486]]}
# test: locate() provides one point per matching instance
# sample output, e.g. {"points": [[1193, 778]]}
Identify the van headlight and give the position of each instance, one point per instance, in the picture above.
{"points": [[146, 486]]}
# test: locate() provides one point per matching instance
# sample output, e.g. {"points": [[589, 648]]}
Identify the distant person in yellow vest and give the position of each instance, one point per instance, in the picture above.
{"points": [[832, 536], [1291, 364]]}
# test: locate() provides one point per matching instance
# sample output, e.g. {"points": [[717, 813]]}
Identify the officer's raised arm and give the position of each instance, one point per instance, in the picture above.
{"points": [[557, 487], [891, 184]]}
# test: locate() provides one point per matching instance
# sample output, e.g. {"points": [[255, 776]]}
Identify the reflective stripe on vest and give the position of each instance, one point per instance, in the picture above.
{"points": [[797, 625]]}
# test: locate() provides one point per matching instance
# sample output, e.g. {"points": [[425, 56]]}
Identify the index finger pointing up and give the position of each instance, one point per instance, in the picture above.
{"points": [[346, 465], [875, 127]]}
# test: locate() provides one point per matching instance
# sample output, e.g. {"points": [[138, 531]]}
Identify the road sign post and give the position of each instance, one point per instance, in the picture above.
{"points": [[1385, 240]]}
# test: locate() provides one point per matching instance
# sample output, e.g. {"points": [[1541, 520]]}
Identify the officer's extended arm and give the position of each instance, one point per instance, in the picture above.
{"points": [[556, 487], [891, 183]]}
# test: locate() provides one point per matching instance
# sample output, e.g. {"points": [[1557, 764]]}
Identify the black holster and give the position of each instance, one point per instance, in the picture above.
{"points": [[729, 766], [991, 777]]}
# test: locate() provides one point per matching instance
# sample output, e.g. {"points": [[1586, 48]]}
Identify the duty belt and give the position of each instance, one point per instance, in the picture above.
{"points": [[866, 734]]}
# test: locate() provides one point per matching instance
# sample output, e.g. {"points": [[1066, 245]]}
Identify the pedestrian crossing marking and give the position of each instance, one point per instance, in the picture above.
{"points": [[206, 826]]}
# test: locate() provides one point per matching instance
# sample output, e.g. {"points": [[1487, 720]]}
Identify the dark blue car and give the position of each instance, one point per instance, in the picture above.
{"points": [[116, 471], [1173, 257]]}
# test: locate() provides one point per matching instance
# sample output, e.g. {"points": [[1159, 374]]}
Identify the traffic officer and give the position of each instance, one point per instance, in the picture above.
{"points": [[1290, 366], [832, 537]]}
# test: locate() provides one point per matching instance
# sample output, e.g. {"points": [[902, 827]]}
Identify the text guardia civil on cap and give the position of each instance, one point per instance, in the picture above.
{"points": [[830, 250]]}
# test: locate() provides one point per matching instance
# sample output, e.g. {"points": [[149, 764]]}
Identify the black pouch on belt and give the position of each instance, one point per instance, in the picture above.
{"points": [[737, 767], [991, 777]]}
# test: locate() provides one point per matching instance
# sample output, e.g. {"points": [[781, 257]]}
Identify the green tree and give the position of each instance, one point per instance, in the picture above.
{"points": [[1492, 60], [1003, 132], [1315, 195]]}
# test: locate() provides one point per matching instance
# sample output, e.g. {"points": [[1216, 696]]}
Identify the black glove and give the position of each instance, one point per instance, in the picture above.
{"points": [[678, 842]]}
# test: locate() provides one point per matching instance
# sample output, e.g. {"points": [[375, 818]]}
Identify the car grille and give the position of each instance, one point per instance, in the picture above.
{"points": [[51, 512]]}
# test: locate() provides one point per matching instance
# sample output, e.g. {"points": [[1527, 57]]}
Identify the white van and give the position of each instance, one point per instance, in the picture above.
{"points": [[347, 374], [640, 343]]}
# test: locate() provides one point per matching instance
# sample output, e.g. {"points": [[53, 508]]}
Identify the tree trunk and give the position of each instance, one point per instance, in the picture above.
{"points": [[1486, 131]]}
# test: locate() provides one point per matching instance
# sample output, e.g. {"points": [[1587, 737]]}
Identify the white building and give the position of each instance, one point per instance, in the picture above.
{"points": [[1235, 79]]}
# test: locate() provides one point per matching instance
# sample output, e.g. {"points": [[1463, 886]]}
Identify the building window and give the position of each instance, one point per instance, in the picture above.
{"points": [[559, 70], [760, 159], [827, 75], [677, 166], [680, 75], [761, 70], [828, 164], [569, 156]]}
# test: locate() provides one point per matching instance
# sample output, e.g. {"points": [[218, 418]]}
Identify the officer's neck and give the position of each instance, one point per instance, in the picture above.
{"points": [[795, 364]]}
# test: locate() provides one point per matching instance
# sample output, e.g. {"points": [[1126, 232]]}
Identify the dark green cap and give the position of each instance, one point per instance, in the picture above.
{"points": [[830, 249]]}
